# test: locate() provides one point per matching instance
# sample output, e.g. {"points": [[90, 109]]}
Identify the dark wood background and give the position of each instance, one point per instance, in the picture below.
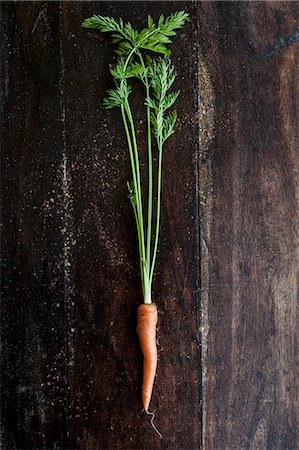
{"points": [[227, 274]]}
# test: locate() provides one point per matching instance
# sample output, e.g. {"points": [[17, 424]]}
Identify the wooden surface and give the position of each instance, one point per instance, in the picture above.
{"points": [[250, 226], [227, 274]]}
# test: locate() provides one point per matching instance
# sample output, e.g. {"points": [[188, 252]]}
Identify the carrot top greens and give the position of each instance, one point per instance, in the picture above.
{"points": [[136, 50]]}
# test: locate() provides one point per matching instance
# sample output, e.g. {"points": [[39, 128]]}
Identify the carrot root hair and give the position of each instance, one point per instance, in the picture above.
{"points": [[153, 414]]}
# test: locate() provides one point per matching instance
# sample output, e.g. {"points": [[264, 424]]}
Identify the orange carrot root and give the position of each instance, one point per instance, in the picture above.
{"points": [[147, 318]]}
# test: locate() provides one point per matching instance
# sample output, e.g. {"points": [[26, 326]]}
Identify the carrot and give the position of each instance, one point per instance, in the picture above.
{"points": [[147, 318], [144, 55]]}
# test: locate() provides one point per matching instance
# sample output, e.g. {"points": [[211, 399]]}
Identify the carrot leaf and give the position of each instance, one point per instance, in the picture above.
{"points": [[144, 55]]}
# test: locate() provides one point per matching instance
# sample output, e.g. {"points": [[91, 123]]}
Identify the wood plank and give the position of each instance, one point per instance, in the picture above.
{"points": [[250, 221], [33, 361], [71, 363], [106, 374]]}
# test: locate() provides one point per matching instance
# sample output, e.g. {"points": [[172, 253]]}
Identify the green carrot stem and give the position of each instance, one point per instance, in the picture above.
{"points": [[141, 263], [158, 214], [136, 158], [133, 168], [150, 170], [150, 184]]}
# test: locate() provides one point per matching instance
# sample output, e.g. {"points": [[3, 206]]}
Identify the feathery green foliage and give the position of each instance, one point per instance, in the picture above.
{"points": [[136, 50], [117, 97], [153, 38]]}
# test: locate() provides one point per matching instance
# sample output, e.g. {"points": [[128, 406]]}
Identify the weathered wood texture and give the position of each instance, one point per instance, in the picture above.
{"points": [[72, 288], [249, 81], [228, 336], [33, 360], [105, 376]]}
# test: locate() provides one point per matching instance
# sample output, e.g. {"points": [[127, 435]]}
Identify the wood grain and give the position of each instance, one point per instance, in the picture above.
{"points": [[33, 359], [227, 274], [106, 373], [73, 141], [250, 222]]}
